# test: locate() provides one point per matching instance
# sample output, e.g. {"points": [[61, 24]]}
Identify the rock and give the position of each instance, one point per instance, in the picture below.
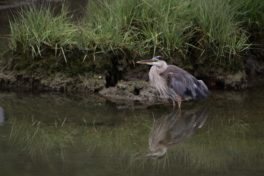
{"points": [[234, 81], [139, 91], [58, 82], [92, 84]]}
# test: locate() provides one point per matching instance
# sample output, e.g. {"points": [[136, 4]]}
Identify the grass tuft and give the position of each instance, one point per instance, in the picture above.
{"points": [[166, 27], [213, 33], [216, 19], [37, 27]]}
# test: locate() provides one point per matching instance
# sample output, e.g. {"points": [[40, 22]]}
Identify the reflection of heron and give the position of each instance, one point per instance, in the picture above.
{"points": [[2, 117], [173, 129], [173, 82]]}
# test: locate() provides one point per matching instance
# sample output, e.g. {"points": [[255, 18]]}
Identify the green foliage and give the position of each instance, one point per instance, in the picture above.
{"points": [[107, 26], [166, 27], [143, 27], [216, 19], [213, 32], [37, 27], [249, 13]]}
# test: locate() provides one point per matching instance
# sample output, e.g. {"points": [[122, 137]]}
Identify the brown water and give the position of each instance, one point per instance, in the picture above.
{"points": [[69, 135]]}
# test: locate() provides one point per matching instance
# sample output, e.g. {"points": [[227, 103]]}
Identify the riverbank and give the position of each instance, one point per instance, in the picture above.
{"points": [[130, 91], [219, 42]]}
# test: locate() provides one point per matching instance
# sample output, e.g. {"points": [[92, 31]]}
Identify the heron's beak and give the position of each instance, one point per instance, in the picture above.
{"points": [[146, 62]]}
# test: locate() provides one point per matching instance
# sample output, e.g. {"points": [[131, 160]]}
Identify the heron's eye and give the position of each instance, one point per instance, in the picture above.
{"points": [[156, 58]]}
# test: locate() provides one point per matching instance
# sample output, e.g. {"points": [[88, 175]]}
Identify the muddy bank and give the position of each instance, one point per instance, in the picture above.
{"points": [[138, 90], [113, 76], [108, 68], [128, 89], [57, 83]]}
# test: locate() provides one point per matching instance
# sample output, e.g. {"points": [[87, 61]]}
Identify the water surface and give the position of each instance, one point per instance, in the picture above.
{"points": [[50, 134]]}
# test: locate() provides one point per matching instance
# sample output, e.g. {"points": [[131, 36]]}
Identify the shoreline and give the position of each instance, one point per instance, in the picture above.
{"points": [[81, 59], [123, 92]]}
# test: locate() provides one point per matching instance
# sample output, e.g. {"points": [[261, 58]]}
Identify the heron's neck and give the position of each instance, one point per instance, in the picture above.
{"points": [[157, 81], [158, 70]]}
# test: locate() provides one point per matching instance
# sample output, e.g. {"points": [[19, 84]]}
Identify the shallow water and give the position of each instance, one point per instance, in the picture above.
{"points": [[51, 134]]}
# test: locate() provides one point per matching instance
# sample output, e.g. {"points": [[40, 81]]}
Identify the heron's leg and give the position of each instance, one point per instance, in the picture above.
{"points": [[173, 104], [179, 104], [179, 100]]}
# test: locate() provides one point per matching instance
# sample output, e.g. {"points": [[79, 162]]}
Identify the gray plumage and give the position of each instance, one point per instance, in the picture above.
{"points": [[173, 82], [184, 84]]}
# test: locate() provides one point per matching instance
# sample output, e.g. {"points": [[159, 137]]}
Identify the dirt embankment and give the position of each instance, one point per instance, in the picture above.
{"points": [[120, 81], [115, 76]]}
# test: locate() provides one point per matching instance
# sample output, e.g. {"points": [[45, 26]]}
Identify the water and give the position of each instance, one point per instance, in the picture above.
{"points": [[49, 134]]}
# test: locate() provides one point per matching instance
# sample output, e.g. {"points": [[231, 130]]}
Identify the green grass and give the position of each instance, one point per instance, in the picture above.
{"points": [[147, 28], [142, 27], [35, 28], [212, 32], [103, 26], [216, 20], [250, 13]]}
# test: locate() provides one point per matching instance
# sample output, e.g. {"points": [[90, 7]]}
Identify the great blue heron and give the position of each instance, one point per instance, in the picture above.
{"points": [[174, 129], [173, 82]]}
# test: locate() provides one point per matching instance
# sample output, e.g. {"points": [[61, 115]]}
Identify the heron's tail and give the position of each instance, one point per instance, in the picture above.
{"points": [[201, 89]]}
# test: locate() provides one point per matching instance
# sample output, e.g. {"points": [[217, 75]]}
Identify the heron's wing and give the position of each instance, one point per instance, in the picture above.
{"points": [[179, 81], [184, 84]]}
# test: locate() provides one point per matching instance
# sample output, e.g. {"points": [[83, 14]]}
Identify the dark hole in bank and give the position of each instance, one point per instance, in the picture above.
{"points": [[136, 91], [115, 72]]}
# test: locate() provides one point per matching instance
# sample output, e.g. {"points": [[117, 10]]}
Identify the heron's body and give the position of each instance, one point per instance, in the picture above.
{"points": [[174, 83]]}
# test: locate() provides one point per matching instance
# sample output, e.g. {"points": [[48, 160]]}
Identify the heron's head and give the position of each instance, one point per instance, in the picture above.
{"points": [[156, 61]]}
